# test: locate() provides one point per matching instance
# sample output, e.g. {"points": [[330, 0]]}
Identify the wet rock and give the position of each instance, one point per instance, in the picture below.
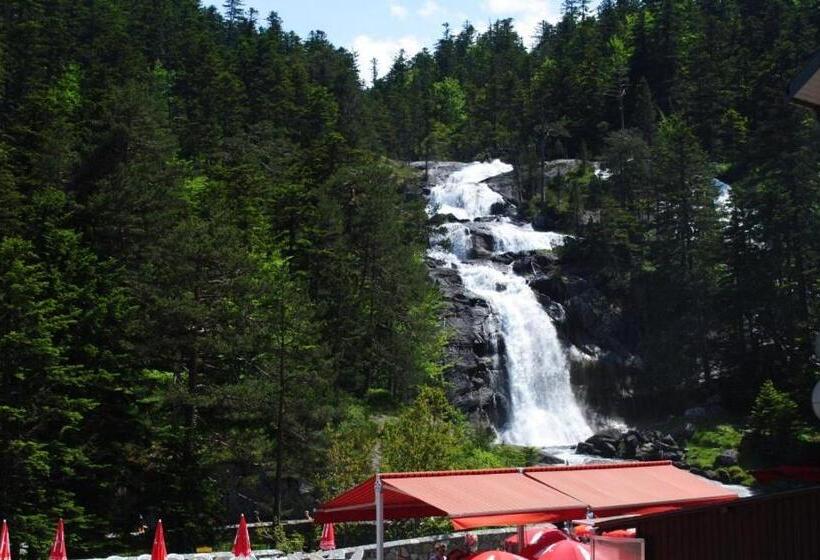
{"points": [[503, 209], [685, 432], [633, 444], [727, 458], [475, 377], [440, 219], [483, 244], [504, 258], [647, 452], [695, 412], [585, 448], [534, 264], [547, 459], [556, 312], [552, 286]]}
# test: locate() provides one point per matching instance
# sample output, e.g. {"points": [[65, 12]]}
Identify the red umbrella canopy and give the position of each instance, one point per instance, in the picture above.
{"points": [[158, 551], [536, 540], [495, 555], [5, 547], [242, 541], [58, 551], [328, 541], [566, 550]]}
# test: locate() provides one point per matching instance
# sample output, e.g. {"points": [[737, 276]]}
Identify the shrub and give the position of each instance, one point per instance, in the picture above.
{"points": [[774, 413]]}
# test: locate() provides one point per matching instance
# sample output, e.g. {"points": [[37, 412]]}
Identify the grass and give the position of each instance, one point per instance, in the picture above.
{"points": [[709, 442]]}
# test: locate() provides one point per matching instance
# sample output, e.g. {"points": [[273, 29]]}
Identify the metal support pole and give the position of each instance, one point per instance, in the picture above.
{"points": [[521, 542], [379, 519]]}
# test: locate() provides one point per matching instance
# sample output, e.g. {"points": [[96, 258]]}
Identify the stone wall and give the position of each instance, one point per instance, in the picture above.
{"points": [[408, 549]]}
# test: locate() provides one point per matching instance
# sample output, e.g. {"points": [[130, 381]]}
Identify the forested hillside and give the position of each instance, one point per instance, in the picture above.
{"points": [[211, 261], [199, 264], [668, 96]]}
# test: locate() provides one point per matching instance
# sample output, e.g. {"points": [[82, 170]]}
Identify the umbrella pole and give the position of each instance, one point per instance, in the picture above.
{"points": [[520, 539], [379, 519]]}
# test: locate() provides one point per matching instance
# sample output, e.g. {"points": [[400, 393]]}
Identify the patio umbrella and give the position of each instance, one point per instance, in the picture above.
{"points": [[328, 541], [58, 551], [495, 555], [158, 551], [242, 541], [5, 547], [536, 540], [566, 550]]}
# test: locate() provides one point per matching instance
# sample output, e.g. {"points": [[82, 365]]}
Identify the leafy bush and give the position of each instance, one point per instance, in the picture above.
{"points": [[774, 413], [427, 434]]}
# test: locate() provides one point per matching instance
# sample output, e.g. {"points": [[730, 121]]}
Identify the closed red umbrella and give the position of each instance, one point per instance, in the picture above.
{"points": [[58, 551], [495, 555], [328, 541], [5, 547], [242, 541], [536, 540], [158, 551], [566, 550]]}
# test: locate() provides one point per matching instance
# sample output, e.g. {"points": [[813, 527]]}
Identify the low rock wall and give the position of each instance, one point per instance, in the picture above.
{"points": [[408, 549]]}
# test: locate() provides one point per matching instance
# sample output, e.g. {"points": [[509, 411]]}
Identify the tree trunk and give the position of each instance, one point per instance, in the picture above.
{"points": [[280, 414]]}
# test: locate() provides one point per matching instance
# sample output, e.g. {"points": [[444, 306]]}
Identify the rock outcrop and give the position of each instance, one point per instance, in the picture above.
{"points": [[507, 184], [602, 339], [645, 445], [475, 372]]}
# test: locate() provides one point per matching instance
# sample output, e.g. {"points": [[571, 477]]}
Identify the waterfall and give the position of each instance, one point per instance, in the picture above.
{"points": [[544, 411]]}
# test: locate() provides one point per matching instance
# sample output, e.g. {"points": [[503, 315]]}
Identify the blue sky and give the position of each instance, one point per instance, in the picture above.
{"points": [[379, 28]]}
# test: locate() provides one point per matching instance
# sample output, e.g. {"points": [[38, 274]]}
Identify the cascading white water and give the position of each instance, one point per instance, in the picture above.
{"points": [[544, 410]]}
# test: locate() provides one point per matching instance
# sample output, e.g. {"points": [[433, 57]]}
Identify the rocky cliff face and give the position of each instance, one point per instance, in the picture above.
{"points": [[476, 372], [601, 340]]}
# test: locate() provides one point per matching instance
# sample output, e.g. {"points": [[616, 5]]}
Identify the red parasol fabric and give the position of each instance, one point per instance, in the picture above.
{"points": [[328, 541], [495, 555], [536, 540], [158, 551], [5, 547], [242, 541], [58, 550], [566, 550]]}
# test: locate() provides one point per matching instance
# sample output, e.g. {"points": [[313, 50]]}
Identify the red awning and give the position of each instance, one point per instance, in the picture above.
{"points": [[622, 488], [469, 498], [524, 496]]}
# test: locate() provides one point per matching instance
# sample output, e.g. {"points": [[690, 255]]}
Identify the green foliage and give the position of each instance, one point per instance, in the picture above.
{"points": [[199, 261], [294, 542], [427, 434], [207, 263], [774, 413], [707, 443]]}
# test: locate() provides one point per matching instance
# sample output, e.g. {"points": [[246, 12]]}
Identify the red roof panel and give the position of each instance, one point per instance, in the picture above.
{"points": [[514, 497], [619, 488]]}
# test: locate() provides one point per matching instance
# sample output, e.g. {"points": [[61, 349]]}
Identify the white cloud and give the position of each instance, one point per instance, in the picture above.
{"points": [[528, 14], [384, 50], [430, 8], [397, 10]]}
